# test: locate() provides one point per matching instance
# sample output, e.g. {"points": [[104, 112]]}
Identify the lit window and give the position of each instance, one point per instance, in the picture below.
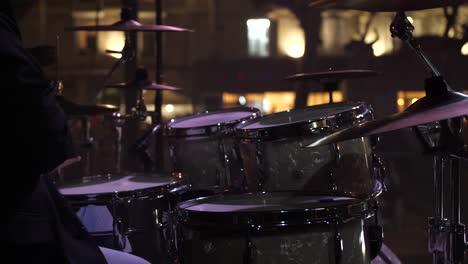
{"points": [[115, 41], [407, 98], [267, 102], [317, 98], [291, 38], [258, 37]]}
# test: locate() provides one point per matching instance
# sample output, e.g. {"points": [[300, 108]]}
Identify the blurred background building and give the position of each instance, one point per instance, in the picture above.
{"points": [[240, 52]]}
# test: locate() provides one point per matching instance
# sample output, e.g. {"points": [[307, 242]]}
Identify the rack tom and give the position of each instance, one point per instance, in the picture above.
{"points": [[202, 148], [274, 157]]}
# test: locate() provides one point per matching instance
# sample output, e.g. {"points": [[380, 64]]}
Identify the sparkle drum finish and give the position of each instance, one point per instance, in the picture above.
{"points": [[202, 148], [273, 228], [274, 157], [140, 207]]}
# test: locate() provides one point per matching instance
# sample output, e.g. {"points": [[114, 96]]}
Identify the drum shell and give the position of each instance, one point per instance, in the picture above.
{"points": [[207, 163], [297, 244], [275, 156], [203, 152], [293, 233], [285, 165], [142, 217]]}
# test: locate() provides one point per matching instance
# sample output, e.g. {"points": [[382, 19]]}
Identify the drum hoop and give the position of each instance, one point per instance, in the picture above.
{"points": [[210, 129], [357, 113], [108, 197], [361, 209]]}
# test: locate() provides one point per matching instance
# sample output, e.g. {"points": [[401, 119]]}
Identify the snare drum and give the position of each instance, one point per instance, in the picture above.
{"points": [[127, 208], [201, 148], [274, 157], [273, 228]]}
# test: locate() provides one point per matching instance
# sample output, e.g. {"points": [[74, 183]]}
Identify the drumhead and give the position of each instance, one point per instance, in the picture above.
{"points": [[210, 122], [303, 120], [108, 186], [271, 208]]}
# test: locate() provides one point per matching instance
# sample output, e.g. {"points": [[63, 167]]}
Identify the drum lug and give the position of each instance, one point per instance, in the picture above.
{"points": [[338, 243], [250, 249], [261, 175], [157, 218], [375, 236], [380, 169], [374, 232], [119, 234]]}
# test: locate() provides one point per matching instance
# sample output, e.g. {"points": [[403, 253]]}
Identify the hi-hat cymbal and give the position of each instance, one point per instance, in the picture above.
{"points": [[73, 109], [383, 5], [423, 111], [129, 25], [332, 76], [149, 86]]}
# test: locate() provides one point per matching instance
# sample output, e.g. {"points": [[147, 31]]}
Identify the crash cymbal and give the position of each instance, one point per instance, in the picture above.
{"points": [[383, 5], [73, 109], [332, 76], [423, 111], [149, 86], [128, 25]]}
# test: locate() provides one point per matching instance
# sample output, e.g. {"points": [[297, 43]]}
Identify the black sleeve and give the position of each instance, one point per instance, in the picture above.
{"points": [[34, 132]]}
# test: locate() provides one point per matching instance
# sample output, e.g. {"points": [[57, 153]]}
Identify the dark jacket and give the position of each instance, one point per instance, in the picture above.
{"points": [[34, 140]]}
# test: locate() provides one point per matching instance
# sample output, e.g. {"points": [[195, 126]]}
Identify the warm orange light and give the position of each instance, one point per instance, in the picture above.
{"points": [[406, 98], [401, 102], [317, 98], [267, 102]]}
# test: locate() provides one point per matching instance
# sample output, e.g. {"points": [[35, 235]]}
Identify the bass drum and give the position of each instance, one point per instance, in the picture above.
{"points": [[201, 148], [273, 228], [275, 158]]}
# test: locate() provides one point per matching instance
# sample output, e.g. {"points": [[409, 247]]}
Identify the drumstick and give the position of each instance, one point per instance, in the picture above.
{"points": [[63, 165]]}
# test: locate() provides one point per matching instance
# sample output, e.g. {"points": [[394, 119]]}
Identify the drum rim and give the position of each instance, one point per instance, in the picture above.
{"points": [[359, 111], [209, 129], [105, 198], [361, 208]]}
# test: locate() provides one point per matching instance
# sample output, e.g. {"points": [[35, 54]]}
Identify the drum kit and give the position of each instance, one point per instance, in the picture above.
{"points": [[299, 186]]}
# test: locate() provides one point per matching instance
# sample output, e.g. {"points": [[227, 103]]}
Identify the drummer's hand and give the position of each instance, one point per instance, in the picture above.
{"points": [[66, 163]]}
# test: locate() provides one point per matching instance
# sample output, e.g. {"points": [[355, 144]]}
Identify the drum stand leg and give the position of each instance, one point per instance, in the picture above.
{"points": [[447, 241], [87, 144], [437, 224], [455, 253]]}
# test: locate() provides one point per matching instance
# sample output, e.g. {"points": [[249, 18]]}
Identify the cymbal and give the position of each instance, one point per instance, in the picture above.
{"points": [[383, 5], [149, 86], [332, 76], [423, 111], [73, 109], [129, 25]]}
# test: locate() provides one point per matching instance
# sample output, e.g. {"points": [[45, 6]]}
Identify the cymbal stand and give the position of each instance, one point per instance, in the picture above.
{"points": [[402, 28], [87, 144], [140, 147], [157, 116], [447, 241], [129, 50], [330, 87]]}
